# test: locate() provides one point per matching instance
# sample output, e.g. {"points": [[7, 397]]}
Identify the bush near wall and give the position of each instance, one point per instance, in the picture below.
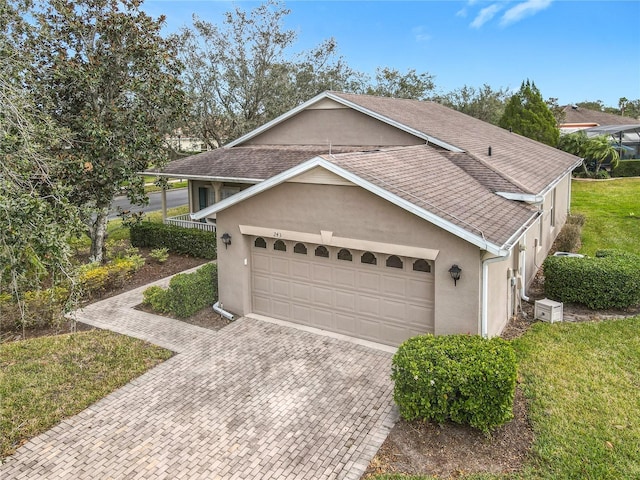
{"points": [[610, 280], [188, 241], [95, 278], [187, 293], [41, 308], [466, 379], [627, 168]]}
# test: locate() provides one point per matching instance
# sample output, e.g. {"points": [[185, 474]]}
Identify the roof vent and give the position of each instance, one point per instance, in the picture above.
{"points": [[489, 151], [510, 130]]}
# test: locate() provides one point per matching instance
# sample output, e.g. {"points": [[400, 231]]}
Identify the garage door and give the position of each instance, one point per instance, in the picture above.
{"points": [[369, 295]]}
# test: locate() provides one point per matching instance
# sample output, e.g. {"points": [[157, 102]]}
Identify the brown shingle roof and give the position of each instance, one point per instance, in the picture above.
{"points": [[443, 184], [524, 162], [253, 163], [579, 115]]}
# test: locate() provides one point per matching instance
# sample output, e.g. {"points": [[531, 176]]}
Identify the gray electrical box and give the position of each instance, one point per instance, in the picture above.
{"points": [[548, 310]]}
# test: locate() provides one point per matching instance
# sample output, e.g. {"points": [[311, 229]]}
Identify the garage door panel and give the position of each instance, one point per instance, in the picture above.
{"points": [[323, 296], [301, 292], [280, 287], [345, 300], [261, 284], [346, 324], [368, 305], [280, 309], [344, 277], [369, 281], [261, 263], [322, 319], [300, 270], [322, 273], [280, 266], [373, 302]]}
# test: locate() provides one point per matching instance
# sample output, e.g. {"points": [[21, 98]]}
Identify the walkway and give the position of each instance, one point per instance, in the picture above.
{"points": [[254, 400]]}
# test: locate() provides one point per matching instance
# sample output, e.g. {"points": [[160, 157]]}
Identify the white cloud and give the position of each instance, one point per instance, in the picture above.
{"points": [[420, 34], [485, 15], [522, 10]]}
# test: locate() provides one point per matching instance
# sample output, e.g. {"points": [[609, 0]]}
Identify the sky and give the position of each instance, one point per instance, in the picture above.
{"points": [[573, 50]]}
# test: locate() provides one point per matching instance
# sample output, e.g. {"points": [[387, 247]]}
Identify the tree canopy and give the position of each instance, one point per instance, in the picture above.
{"points": [[103, 72], [483, 103], [36, 217], [595, 150], [527, 113]]}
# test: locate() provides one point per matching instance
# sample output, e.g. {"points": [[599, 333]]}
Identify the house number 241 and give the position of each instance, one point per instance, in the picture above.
{"points": [[277, 235]]}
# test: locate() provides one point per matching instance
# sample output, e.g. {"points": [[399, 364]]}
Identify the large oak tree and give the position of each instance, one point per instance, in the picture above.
{"points": [[104, 73]]}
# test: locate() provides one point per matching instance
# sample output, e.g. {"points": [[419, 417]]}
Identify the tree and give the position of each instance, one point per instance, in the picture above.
{"points": [[105, 74], [36, 217], [483, 103], [240, 74], [598, 106], [556, 109], [595, 150], [527, 114], [390, 82]]}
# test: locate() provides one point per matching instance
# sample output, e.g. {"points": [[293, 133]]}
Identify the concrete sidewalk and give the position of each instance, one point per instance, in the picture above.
{"points": [[254, 400]]}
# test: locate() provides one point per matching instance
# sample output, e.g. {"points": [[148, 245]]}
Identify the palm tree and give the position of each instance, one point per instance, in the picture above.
{"points": [[598, 150]]}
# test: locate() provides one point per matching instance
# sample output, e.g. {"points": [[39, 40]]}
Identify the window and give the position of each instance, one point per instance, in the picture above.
{"points": [[226, 192], [370, 258], [300, 248], [394, 262], [321, 251], [280, 246], [345, 254], [421, 266], [260, 243]]}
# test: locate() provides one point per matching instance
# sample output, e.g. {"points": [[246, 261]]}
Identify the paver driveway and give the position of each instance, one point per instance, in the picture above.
{"points": [[254, 400]]}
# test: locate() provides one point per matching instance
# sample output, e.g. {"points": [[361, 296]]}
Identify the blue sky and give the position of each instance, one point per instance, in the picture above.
{"points": [[572, 50]]}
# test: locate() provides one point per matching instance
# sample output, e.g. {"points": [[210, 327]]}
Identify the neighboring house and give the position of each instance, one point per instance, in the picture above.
{"points": [[624, 131], [351, 214]]}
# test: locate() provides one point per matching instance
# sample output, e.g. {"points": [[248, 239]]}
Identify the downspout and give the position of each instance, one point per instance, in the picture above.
{"points": [[485, 294], [218, 309], [523, 271]]}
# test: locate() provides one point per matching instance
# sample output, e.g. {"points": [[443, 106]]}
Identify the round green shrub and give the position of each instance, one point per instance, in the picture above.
{"points": [[466, 379]]}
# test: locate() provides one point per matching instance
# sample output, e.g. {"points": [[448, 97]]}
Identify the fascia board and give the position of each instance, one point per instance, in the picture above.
{"points": [[204, 178], [522, 197]]}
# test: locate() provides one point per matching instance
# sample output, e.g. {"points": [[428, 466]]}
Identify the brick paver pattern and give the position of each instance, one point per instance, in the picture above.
{"points": [[254, 400]]}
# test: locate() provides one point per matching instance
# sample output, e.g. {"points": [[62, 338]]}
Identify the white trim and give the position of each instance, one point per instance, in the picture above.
{"points": [[327, 239], [477, 240], [522, 197], [205, 178], [424, 136]]}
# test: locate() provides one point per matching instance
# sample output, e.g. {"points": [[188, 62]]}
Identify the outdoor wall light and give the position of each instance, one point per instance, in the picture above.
{"points": [[226, 239], [455, 271]]}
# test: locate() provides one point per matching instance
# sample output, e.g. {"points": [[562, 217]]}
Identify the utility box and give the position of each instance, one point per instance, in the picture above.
{"points": [[548, 310]]}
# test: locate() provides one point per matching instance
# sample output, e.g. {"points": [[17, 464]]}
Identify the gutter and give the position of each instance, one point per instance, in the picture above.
{"points": [[218, 309], [485, 293]]}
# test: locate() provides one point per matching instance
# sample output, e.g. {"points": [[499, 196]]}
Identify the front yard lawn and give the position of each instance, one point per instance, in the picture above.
{"points": [[612, 209], [47, 379]]}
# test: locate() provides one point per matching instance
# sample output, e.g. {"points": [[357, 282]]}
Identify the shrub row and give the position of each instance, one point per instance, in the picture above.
{"points": [[94, 278], [463, 378], [627, 168], [189, 241], [187, 292], [41, 308], [610, 280]]}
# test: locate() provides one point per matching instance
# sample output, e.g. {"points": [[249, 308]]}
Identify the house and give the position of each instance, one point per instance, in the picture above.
{"points": [[380, 218], [624, 132]]}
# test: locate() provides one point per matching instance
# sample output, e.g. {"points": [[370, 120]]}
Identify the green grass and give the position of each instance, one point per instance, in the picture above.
{"points": [[582, 382], [47, 379], [612, 209]]}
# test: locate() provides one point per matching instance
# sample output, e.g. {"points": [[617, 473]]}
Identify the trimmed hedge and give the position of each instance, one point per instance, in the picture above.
{"points": [[463, 378], [627, 168], [187, 293], [188, 241], [610, 280]]}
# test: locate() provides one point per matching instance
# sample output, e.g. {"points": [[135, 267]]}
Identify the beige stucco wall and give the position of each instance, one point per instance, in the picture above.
{"points": [[350, 212], [335, 126], [500, 306]]}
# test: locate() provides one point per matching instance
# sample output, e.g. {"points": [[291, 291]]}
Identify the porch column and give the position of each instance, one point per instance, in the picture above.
{"points": [[217, 191]]}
